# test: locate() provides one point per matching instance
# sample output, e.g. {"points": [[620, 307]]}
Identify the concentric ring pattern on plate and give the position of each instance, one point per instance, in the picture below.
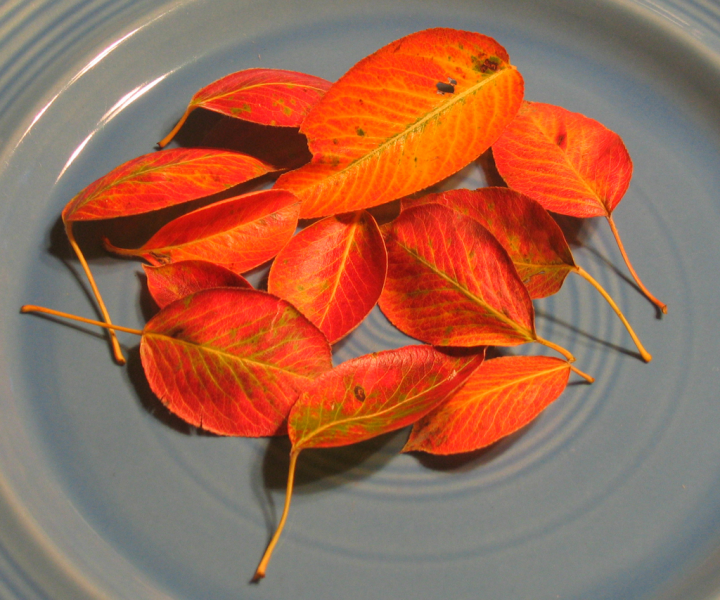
{"points": [[612, 493]]}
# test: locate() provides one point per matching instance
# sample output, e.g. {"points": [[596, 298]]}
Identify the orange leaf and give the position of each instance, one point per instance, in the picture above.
{"points": [[239, 233], [569, 163], [502, 396], [405, 117]]}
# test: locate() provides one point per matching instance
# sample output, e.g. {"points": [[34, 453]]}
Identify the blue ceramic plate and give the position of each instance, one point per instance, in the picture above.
{"points": [[613, 493]]}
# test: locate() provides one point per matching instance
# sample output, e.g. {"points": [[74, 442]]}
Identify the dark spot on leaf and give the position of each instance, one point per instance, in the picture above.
{"points": [[452, 81], [445, 88], [359, 393], [359, 131], [561, 139]]}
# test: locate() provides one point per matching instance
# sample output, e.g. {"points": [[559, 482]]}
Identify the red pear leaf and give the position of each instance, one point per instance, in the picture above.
{"points": [[450, 283], [405, 117], [375, 394], [530, 236], [366, 397], [171, 282], [232, 361], [499, 398], [239, 233], [569, 163], [265, 96], [162, 179], [333, 272]]}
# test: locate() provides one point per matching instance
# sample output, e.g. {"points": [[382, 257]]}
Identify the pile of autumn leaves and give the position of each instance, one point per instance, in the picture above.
{"points": [[455, 270]]}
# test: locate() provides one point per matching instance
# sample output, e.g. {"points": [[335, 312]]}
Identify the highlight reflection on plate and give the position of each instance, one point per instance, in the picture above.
{"points": [[611, 493]]}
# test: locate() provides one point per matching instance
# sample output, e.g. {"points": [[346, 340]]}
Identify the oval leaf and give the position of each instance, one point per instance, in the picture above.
{"points": [[239, 233], [265, 96], [569, 163], [527, 232], [502, 396], [450, 283], [409, 115], [333, 271], [374, 394], [171, 282], [161, 179], [232, 361]]}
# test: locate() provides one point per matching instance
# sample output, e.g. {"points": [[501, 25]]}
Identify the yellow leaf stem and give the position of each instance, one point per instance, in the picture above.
{"points": [[653, 299], [646, 356], [262, 567]]}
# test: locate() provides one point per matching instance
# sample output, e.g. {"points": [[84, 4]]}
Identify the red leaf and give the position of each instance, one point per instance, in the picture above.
{"points": [[450, 282], [570, 163], [502, 396], [178, 280], [409, 115], [239, 233], [526, 231], [333, 271], [374, 394], [162, 179], [232, 361], [265, 96]]}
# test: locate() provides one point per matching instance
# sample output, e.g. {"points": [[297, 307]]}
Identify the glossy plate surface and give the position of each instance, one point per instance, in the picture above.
{"points": [[613, 493]]}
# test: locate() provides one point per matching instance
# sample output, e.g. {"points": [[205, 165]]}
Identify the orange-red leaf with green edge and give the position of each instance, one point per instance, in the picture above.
{"points": [[499, 398], [171, 282], [265, 96], [451, 283], [232, 361], [162, 179], [531, 237], [568, 162], [374, 394], [239, 233], [405, 117], [333, 272]]}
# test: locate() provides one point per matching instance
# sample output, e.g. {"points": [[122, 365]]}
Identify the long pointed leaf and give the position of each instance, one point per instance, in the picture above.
{"points": [[162, 179], [405, 117], [374, 394], [502, 396], [239, 233]]}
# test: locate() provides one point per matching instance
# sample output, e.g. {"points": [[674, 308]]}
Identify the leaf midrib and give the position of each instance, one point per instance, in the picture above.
{"points": [[497, 314], [227, 355]]}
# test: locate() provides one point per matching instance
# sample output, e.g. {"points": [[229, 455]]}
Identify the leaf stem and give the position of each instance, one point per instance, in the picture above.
{"points": [[653, 299], [646, 356], [168, 138], [31, 308], [568, 356], [262, 567], [585, 376], [117, 352]]}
